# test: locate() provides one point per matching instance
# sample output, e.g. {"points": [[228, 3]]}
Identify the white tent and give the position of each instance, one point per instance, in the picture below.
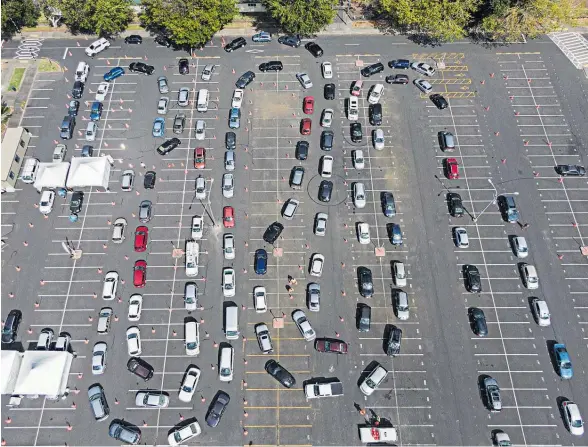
{"points": [[43, 373], [89, 171], [10, 361], [51, 175]]}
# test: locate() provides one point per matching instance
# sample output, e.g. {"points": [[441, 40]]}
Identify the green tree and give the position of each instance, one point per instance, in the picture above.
{"points": [[305, 17], [17, 14], [189, 23], [112, 16], [77, 16], [440, 20], [509, 19]]}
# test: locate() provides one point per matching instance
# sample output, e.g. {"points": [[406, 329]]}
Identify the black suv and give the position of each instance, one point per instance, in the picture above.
{"points": [[291, 41], [478, 321], [271, 66], [217, 408], [329, 91], [184, 66], [77, 199], [455, 205], [508, 208], [302, 150], [11, 324], [372, 69], [272, 233], [356, 132], [325, 191], [235, 44], [140, 368], [314, 49], [163, 41], [327, 137], [439, 101], [149, 180], [168, 146], [134, 39], [473, 282], [230, 141], [388, 204], [78, 89], [140, 67], [403, 64], [365, 282], [375, 112], [245, 79], [280, 373]]}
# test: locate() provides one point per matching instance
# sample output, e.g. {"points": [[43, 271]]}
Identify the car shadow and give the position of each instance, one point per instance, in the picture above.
{"points": [[551, 352], [482, 390]]}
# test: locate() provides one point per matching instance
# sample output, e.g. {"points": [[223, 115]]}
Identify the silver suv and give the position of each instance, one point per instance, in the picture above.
{"points": [[98, 403]]}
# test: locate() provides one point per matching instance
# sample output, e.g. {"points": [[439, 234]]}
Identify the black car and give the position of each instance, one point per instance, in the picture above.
{"points": [[134, 39], [260, 261], [272, 233], [280, 373], [78, 89], [140, 368], [140, 67], [245, 79], [291, 41], [439, 101], [74, 107], [330, 91], [388, 204], [230, 141], [314, 49], [168, 146], [365, 282], [356, 132], [149, 180], [403, 64], [217, 408], [302, 150], [363, 317], [10, 329], [235, 44], [455, 204], [77, 199], [375, 114], [573, 170], [478, 321], [372, 69], [87, 150], [163, 41], [327, 137], [271, 66], [508, 208], [473, 281], [325, 191], [397, 79], [394, 341], [184, 66]]}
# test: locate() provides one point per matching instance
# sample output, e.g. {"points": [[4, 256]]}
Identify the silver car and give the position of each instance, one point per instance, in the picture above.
{"points": [[162, 105], [99, 358], [320, 224], [314, 297], [303, 325], [228, 185], [304, 79], [183, 96], [145, 210], [422, 68], [207, 72], [151, 399], [423, 86], [378, 139], [162, 84]]}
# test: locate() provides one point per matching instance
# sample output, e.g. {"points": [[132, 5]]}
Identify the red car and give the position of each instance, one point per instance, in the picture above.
{"points": [[305, 126], [452, 168], [141, 235], [140, 273], [308, 107], [228, 217], [330, 345], [199, 158]]}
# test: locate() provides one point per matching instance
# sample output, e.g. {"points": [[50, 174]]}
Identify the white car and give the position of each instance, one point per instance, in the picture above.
{"points": [[357, 158], [573, 418], [102, 91], [184, 433], [110, 285], [373, 380], [359, 195], [197, 227], [59, 153], [423, 86], [320, 224], [316, 264], [378, 139], [118, 230], [46, 202], [260, 299], [200, 188], [151, 399], [127, 180], [422, 68], [327, 69], [304, 326], [363, 233], [327, 118], [237, 98], [353, 108], [375, 93], [189, 384], [45, 339], [519, 246], [207, 72], [399, 274], [304, 80], [541, 312], [97, 46], [91, 131], [228, 185], [162, 105], [229, 282], [200, 130], [135, 307], [461, 237], [99, 358], [229, 246], [530, 278], [134, 341]]}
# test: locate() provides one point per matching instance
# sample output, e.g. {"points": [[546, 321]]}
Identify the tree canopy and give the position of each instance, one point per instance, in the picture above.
{"points": [[17, 14], [305, 17]]}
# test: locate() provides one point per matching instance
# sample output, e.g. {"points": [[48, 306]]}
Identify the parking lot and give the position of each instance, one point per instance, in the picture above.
{"points": [[514, 116]]}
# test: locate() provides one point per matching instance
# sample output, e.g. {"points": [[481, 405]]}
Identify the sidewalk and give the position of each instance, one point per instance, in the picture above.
{"points": [[17, 100]]}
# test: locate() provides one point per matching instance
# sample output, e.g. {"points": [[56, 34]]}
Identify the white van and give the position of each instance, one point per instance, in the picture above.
{"points": [[29, 170], [98, 46], [225, 366], [326, 166], [202, 103], [192, 252], [82, 72], [192, 337], [232, 322]]}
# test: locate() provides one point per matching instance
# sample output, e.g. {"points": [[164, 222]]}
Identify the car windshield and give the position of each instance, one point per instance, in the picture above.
{"points": [[566, 365], [577, 423], [370, 383], [192, 345], [225, 371]]}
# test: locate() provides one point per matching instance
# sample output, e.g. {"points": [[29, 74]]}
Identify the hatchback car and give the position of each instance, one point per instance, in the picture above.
{"points": [[230, 141], [235, 44], [168, 146], [145, 210], [245, 79], [184, 66], [363, 233], [353, 108], [149, 180], [141, 236], [280, 373], [329, 91], [162, 85], [296, 177], [271, 66], [308, 105], [200, 187], [473, 280], [451, 168], [397, 79], [159, 127], [114, 73], [422, 68], [399, 273], [519, 247], [199, 158], [529, 275], [228, 217], [327, 118], [207, 72], [124, 432], [303, 325], [260, 261], [327, 70], [317, 262], [314, 49], [356, 132], [190, 296], [365, 282], [140, 67], [264, 339], [217, 408], [364, 317], [96, 111], [228, 284], [262, 36], [140, 273], [99, 358], [460, 236], [325, 191], [375, 93], [304, 80], [439, 101], [423, 86], [11, 324], [291, 41], [572, 418], [478, 321], [273, 232], [135, 307], [98, 404], [446, 141], [372, 69]]}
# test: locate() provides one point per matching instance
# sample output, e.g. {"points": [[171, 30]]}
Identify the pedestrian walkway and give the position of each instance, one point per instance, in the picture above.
{"points": [[17, 99], [574, 46]]}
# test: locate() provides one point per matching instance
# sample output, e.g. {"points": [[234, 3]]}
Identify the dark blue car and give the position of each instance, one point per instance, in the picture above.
{"points": [[563, 361], [260, 262], [96, 112], [114, 73]]}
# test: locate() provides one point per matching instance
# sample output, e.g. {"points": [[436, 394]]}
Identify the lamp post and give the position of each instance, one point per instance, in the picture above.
{"points": [[493, 201]]}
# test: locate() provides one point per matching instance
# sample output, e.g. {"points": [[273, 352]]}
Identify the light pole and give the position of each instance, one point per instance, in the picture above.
{"points": [[493, 201]]}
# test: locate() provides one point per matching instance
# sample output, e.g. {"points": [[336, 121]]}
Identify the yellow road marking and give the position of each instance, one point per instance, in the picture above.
{"points": [[438, 55], [450, 81], [455, 68], [453, 95]]}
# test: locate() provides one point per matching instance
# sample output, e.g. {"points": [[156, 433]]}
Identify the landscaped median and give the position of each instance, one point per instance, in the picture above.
{"points": [[16, 78]]}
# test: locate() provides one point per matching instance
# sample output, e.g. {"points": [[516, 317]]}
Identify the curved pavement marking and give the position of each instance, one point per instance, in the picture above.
{"points": [[28, 49]]}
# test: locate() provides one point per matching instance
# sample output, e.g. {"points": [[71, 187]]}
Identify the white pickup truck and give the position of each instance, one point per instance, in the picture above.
{"points": [[323, 389]]}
